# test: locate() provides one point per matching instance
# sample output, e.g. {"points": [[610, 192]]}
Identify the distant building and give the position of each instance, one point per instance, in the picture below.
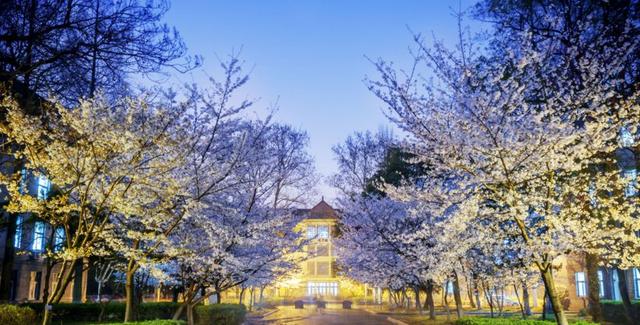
{"points": [[30, 239]]}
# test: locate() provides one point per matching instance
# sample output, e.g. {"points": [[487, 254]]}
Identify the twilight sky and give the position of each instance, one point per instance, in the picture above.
{"points": [[309, 56]]}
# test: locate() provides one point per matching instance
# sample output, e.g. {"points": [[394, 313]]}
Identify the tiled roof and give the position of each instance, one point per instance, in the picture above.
{"points": [[322, 210]]}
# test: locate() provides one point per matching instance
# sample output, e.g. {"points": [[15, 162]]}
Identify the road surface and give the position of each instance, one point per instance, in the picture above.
{"points": [[312, 316]]}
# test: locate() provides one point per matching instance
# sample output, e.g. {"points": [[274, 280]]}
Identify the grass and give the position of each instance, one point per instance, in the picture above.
{"points": [[441, 319], [148, 322]]}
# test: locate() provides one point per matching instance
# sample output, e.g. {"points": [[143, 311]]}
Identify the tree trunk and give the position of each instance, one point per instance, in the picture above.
{"points": [[500, 301], [545, 306], [456, 295], [218, 297], [251, 299], [178, 312], [416, 291], [261, 300], [64, 278], [525, 299], [7, 262], [241, 295], [406, 302], [470, 292], [593, 285], [489, 297], [520, 303], [476, 292], [445, 300], [129, 293], [99, 291], [190, 320], [430, 302], [624, 294], [549, 283]]}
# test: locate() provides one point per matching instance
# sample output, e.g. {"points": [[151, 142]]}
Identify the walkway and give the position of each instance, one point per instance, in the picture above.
{"points": [[330, 316]]}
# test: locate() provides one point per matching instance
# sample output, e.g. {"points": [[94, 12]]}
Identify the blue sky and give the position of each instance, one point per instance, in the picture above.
{"points": [[309, 56]]}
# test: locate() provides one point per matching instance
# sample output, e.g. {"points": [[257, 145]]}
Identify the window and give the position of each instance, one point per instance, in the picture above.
{"points": [[17, 239], [636, 283], [38, 237], [626, 138], [318, 232], [312, 231], [581, 285], [43, 187], [23, 181], [311, 268], [593, 194], [322, 289], [58, 239], [323, 232], [324, 268], [34, 285], [615, 292], [322, 250], [631, 176], [601, 283]]}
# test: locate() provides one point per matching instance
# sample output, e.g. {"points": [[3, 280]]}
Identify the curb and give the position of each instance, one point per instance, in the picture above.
{"points": [[389, 318], [396, 321]]}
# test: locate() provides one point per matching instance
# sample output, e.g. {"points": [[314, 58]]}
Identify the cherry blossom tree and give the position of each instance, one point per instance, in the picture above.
{"points": [[511, 129], [105, 161], [243, 233]]}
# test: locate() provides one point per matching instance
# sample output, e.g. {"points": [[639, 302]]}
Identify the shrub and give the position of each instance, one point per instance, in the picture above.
{"points": [[113, 311], [500, 321], [511, 321], [223, 314], [613, 311], [16, 315], [148, 322]]}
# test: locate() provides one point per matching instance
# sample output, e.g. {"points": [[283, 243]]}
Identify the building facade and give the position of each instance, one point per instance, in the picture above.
{"points": [[23, 244], [318, 276]]}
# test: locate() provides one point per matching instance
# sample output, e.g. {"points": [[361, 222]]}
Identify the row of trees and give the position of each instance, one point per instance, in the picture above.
{"points": [[180, 185], [188, 190], [517, 154]]}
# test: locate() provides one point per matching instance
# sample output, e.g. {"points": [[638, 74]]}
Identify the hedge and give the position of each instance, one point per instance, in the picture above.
{"points": [[222, 314], [613, 311], [148, 322], [511, 321], [113, 311], [16, 315]]}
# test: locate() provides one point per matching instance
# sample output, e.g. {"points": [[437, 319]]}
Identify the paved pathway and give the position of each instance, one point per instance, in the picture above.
{"points": [[330, 316]]}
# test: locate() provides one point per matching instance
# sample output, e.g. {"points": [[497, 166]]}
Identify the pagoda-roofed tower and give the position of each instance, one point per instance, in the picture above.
{"points": [[318, 278]]}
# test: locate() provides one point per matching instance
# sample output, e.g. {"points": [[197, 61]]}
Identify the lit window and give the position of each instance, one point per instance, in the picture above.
{"points": [[58, 239], [636, 282], [38, 237], [311, 268], [615, 286], [23, 181], [323, 268], [17, 239], [626, 138], [581, 285], [322, 250], [631, 176], [601, 283], [312, 231], [323, 232], [593, 194], [43, 187], [322, 289]]}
